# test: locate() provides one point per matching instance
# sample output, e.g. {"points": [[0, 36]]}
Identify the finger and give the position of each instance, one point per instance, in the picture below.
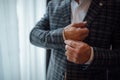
{"points": [[68, 54], [83, 37], [69, 43], [72, 51], [83, 30], [70, 57], [80, 25], [69, 48], [72, 44], [71, 54]]}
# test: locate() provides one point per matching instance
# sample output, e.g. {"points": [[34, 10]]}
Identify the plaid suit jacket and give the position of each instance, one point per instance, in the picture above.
{"points": [[103, 19]]}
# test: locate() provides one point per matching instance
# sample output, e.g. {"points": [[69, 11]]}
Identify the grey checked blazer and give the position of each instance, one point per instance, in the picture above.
{"points": [[103, 19]]}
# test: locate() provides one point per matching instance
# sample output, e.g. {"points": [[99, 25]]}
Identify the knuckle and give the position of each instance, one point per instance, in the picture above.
{"points": [[78, 30], [71, 43]]}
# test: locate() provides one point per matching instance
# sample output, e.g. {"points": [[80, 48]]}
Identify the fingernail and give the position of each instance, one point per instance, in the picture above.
{"points": [[66, 46], [65, 41]]}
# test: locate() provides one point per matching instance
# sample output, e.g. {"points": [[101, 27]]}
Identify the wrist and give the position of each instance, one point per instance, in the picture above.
{"points": [[91, 56]]}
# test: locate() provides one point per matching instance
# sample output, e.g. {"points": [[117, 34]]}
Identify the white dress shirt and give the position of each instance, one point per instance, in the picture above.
{"points": [[79, 12]]}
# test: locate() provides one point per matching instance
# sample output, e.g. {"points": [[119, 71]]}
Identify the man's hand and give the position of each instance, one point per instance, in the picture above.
{"points": [[76, 31], [77, 52]]}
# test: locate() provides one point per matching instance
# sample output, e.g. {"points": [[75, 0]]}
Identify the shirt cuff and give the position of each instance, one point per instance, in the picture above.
{"points": [[91, 57], [63, 33]]}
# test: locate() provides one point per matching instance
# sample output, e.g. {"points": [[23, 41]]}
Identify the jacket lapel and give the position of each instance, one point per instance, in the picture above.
{"points": [[94, 9], [66, 11]]}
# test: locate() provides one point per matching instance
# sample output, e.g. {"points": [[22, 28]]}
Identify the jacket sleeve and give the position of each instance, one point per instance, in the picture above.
{"points": [[108, 58], [42, 36]]}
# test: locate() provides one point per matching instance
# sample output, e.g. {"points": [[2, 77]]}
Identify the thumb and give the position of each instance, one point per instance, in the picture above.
{"points": [[80, 25]]}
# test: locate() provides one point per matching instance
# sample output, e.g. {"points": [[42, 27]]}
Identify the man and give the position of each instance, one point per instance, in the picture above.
{"points": [[84, 38]]}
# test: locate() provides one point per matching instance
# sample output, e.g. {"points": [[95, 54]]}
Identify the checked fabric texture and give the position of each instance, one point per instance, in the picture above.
{"points": [[103, 19]]}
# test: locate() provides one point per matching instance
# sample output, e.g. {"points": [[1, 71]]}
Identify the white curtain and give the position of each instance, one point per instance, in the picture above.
{"points": [[19, 60]]}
